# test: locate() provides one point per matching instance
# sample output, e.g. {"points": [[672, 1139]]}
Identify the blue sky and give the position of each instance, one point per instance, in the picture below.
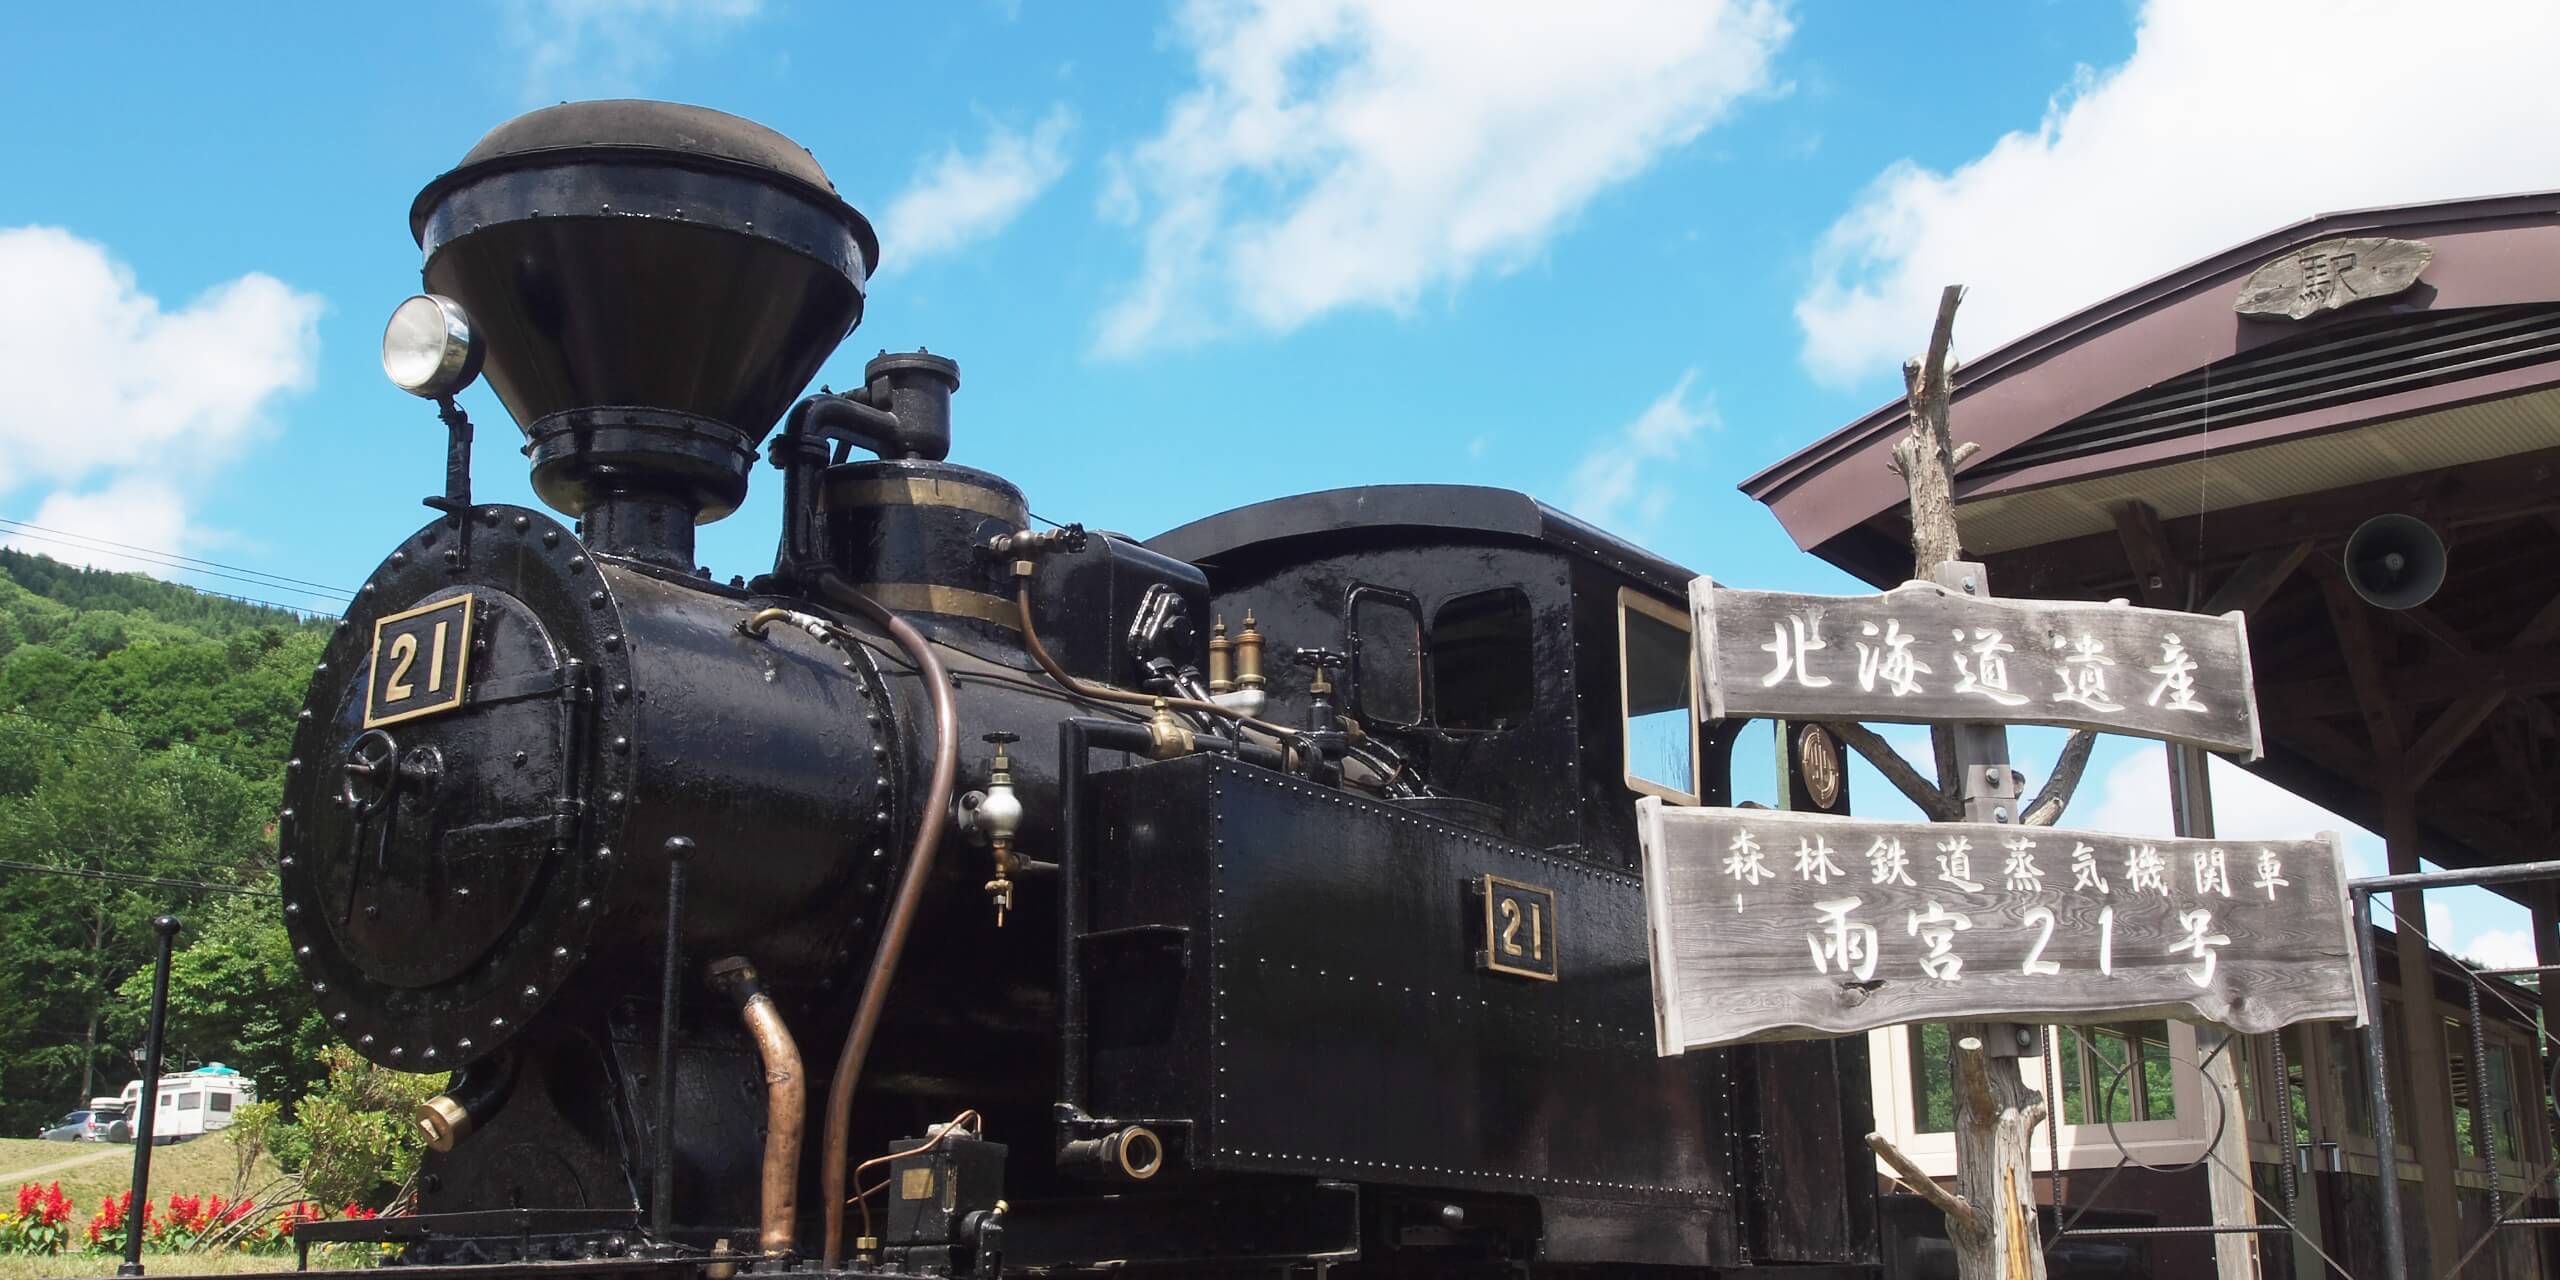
{"points": [[1616, 254]]}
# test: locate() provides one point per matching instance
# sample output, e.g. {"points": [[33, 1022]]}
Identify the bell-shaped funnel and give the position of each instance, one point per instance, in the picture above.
{"points": [[655, 283]]}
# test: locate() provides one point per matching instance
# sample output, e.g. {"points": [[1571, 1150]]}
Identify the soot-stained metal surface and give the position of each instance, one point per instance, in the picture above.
{"points": [[432, 885]]}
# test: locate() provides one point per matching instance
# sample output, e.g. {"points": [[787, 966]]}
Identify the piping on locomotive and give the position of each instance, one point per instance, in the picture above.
{"points": [[965, 897]]}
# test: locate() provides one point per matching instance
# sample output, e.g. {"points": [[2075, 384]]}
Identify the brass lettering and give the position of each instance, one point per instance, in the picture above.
{"points": [[404, 655], [1510, 909], [435, 658]]}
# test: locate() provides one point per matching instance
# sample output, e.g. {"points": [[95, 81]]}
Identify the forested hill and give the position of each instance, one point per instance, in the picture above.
{"points": [[143, 731]]}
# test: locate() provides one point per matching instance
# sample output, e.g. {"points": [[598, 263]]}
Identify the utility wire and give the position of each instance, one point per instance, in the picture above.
{"points": [[273, 579], [83, 873], [168, 565], [253, 861]]}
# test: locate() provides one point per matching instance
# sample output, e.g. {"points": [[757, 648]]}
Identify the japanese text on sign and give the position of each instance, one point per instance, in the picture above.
{"points": [[1777, 924], [1923, 653]]}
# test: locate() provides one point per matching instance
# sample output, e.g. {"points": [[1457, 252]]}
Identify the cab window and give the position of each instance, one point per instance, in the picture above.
{"points": [[1658, 698], [1386, 656], [1481, 664]]}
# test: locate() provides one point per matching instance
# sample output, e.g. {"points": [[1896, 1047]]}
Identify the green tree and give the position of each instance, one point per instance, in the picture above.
{"points": [[235, 995], [359, 1141], [143, 730], [106, 835]]}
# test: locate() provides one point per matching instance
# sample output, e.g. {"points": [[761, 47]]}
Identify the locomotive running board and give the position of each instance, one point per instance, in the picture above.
{"points": [[1275, 1221]]}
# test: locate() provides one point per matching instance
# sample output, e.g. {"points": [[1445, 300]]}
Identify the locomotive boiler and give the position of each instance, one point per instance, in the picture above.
{"points": [[964, 896]]}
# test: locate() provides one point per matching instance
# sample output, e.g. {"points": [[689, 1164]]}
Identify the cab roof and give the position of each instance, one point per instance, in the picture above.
{"points": [[1231, 538]]}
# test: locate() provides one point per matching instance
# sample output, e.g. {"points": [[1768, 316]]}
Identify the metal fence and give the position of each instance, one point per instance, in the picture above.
{"points": [[2287, 1215]]}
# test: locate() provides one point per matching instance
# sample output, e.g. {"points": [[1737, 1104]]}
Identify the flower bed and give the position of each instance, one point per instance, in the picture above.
{"points": [[40, 1223]]}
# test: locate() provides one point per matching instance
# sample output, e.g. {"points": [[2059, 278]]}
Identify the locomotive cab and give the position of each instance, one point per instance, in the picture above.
{"points": [[1527, 663]]}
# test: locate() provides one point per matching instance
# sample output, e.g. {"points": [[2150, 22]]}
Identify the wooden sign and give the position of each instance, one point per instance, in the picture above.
{"points": [[1921, 653], [1770, 925], [2332, 273]]}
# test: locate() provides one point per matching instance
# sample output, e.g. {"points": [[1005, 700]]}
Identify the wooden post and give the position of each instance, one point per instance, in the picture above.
{"points": [[2430, 1084], [1995, 1112], [2546, 951], [2235, 1257]]}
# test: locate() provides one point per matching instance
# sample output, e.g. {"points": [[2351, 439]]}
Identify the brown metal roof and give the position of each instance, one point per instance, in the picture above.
{"points": [[2161, 447], [2493, 252]]}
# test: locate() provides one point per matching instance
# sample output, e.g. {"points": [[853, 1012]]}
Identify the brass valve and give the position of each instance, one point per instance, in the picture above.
{"points": [[1024, 545], [996, 816], [1171, 736]]}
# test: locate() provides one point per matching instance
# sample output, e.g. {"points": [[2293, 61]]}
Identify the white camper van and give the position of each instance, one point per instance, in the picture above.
{"points": [[192, 1103]]}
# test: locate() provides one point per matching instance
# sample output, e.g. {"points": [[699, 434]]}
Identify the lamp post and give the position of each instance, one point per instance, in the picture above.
{"points": [[141, 1201]]}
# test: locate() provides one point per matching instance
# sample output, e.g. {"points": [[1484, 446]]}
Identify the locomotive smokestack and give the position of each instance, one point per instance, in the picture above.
{"points": [[655, 282]]}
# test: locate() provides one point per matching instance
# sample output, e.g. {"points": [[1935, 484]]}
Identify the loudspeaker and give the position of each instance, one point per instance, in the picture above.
{"points": [[2395, 561]]}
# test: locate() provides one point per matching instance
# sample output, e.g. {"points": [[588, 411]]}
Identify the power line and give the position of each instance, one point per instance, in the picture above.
{"points": [[274, 579], [82, 873], [298, 610], [171, 566], [203, 862]]}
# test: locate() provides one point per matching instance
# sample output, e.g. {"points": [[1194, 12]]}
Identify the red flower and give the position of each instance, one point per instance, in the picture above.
{"points": [[111, 1216]]}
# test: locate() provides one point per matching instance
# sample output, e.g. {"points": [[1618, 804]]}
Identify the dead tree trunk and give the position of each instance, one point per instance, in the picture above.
{"points": [[1996, 1116], [1992, 1222]]}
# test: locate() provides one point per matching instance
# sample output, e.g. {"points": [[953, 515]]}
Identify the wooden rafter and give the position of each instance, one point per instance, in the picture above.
{"points": [[2158, 577], [2531, 670], [2350, 620], [2458, 497], [2256, 579]]}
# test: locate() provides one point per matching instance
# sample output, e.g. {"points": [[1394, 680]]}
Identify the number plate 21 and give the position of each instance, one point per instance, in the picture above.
{"points": [[419, 660], [1519, 934]]}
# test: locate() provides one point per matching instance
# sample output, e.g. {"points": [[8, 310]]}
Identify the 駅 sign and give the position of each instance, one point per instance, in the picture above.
{"points": [[1772, 925], [1921, 653]]}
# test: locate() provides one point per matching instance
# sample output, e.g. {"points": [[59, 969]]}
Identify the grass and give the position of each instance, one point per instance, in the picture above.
{"points": [[153, 1264], [204, 1166]]}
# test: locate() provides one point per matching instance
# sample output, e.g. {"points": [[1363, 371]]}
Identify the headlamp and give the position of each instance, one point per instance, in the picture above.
{"points": [[428, 349]]}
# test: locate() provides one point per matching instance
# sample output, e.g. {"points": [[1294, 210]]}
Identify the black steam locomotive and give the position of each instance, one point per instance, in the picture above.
{"points": [[964, 897]]}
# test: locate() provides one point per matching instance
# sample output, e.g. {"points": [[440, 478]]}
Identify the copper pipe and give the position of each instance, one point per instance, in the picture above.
{"points": [[934, 809], [1105, 693], [786, 1099]]}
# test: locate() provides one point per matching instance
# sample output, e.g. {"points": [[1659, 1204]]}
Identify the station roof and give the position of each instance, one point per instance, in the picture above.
{"points": [[2164, 446]]}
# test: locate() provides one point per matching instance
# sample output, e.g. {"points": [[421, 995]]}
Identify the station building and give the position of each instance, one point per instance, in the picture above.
{"points": [[2212, 440]]}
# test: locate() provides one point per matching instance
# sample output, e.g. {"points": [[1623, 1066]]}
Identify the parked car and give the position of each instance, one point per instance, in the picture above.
{"points": [[84, 1126]]}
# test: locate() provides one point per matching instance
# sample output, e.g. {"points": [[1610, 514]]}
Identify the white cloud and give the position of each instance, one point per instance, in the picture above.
{"points": [[2227, 121], [2133, 796], [962, 198], [1615, 481], [107, 399], [590, 48], [2500, 949], [1357, 152], [135, 510]]}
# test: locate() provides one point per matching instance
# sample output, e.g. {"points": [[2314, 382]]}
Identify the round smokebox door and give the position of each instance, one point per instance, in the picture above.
{"points": [[447, 773]]}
